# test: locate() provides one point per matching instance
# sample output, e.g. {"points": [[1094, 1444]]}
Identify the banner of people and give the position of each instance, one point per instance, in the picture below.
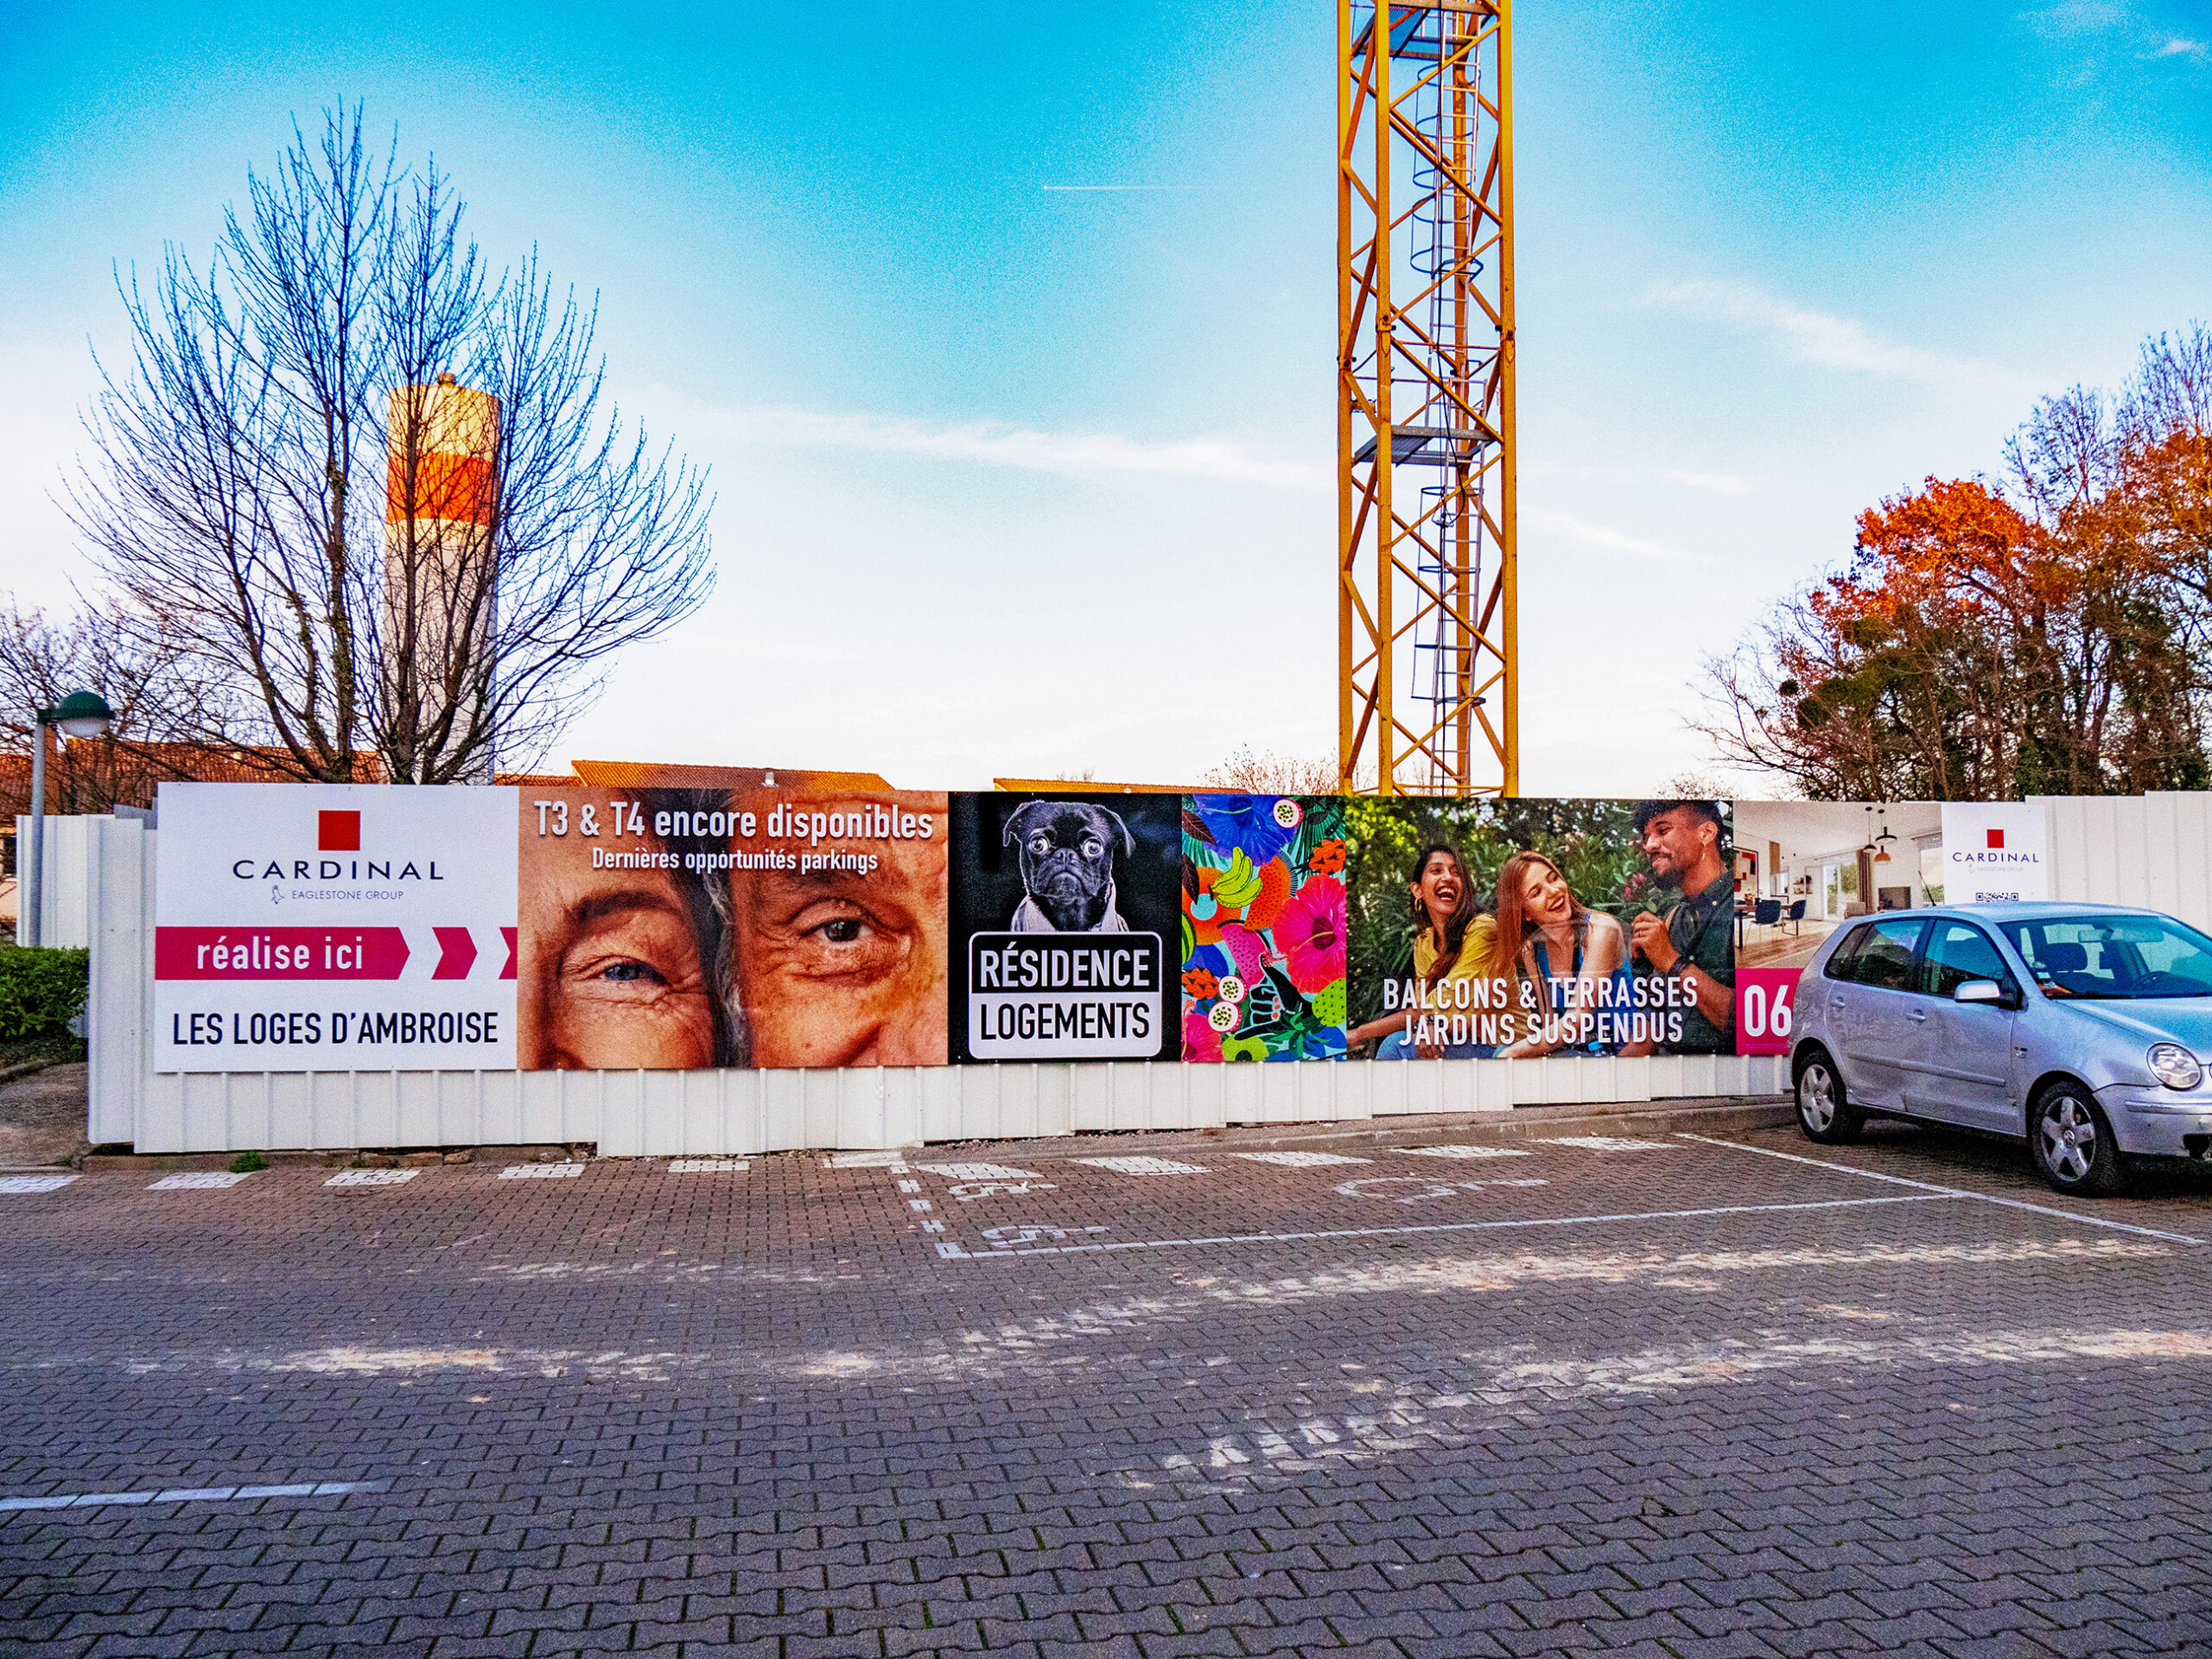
{"points": [[836, 924]]}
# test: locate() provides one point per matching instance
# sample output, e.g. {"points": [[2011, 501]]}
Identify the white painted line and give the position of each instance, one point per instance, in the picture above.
{"points": [[1463, 1151], [1298, 1159], [539, 1171], [910, 1186], [372, 1178], [952, 1252], [920, 1206], [865, 1161], [932, 1226], [199, 1180], [708, 1166], [1146, 1166], [195, 1495], [1612, 1143], [1945, 1192], [34, 1183], [979, 1172]]}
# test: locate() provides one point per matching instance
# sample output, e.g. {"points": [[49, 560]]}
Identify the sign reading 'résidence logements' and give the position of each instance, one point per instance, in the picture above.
{"points": [[335, 928]]}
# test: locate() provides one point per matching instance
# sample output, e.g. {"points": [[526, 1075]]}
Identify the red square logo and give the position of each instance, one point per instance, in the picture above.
{"points": [[338, 832], [1997, 838]]}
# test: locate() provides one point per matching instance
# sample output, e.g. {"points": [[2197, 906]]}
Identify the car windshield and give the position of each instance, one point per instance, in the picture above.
{"points": [[2114, 957]]}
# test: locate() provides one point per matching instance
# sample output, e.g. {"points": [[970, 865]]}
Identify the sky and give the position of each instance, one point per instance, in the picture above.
{"points": [[1019, 480]]}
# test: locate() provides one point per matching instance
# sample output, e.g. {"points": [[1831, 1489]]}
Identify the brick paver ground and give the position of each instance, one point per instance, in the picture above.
{"points": [[1685, 1398]]}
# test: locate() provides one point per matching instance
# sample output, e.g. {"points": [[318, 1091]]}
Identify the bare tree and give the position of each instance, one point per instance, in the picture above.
{"points": [[140, 673], [1246, 773], [367, 486]]}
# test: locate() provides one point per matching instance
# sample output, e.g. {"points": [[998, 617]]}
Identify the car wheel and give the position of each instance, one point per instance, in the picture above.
{"points": [[1822, 1111], [2073, 1143]]}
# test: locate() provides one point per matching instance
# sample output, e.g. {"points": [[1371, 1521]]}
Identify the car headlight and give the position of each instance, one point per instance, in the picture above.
{"points": [[2175, 1066]]}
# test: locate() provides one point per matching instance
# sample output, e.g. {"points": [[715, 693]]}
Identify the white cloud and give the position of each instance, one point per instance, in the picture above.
{"points": [[1833, 342], [1633, 477], [2071, 21], [1566, 527], [2077, 17], [992, 444]]}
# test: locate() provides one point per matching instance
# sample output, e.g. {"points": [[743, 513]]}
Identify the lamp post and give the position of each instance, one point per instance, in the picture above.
{"points": [[82, 714]]}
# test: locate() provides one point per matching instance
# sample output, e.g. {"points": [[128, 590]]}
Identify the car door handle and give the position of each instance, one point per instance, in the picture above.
{"points": [[1916, 1014]]}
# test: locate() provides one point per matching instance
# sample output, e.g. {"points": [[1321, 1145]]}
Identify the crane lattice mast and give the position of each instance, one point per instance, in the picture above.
{"points": [[1429, 686]]}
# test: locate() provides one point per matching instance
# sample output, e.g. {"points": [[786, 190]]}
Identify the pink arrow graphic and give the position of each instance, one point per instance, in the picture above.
{"points": [[460, 953], [279, 953], [508, 972]]}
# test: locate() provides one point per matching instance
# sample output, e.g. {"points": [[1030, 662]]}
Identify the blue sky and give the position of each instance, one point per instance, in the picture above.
{"points": [[1013, 480]]}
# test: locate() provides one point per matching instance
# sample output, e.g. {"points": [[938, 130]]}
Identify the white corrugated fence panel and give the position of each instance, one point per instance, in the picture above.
{"points": [[75, 846]]}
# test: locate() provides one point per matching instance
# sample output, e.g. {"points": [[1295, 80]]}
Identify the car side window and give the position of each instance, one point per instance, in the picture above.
{"points": [[1885, 956], [1958, 952], [1841, 958]]}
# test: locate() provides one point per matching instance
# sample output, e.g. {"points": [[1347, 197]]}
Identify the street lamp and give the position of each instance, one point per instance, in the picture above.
{"points": [[82, 714]]}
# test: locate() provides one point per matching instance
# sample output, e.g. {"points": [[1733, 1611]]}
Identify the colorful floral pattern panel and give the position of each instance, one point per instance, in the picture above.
{"points": [[1264, 921]]}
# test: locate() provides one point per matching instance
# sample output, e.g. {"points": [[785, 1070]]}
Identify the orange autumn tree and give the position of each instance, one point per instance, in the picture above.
{"points": [[1983, 644]]}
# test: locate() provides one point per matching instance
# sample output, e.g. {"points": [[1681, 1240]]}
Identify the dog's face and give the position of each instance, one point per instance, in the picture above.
{"points": [[1067, 851]]}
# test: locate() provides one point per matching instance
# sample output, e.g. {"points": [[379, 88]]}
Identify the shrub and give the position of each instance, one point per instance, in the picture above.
{"points": [[246, 1162], [40, 991]]}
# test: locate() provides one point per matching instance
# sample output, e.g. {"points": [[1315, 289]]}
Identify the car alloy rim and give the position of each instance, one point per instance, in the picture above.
{"points": [[1816, 1097], [2069, 1138]]}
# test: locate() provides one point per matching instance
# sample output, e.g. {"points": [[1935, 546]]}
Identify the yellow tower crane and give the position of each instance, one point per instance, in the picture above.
{"points": [[1428, 684]]}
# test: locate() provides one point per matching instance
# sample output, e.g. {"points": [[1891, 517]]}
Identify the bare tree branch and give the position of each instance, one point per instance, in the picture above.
{"points": [[369, 489]]}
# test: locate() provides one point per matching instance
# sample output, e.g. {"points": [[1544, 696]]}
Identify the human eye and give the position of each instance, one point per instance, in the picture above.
{"points": [[840, 939], [636, 955]]}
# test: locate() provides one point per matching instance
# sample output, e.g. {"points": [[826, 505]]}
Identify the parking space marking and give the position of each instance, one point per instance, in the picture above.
{"points": [[195, 1495], [1612, 1143], [865, 1161], [708, 1166], [1146, 1166], [34, 1183], [979, 1172], [197, 1181], [1299, 1160], [372, 1178], [953, 1252], [1931, 1188], [970, 1192], [1451, 1150], [539, 1171]]}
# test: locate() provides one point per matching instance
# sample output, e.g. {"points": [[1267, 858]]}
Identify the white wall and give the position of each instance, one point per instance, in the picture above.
{"points": [[66, 884]]}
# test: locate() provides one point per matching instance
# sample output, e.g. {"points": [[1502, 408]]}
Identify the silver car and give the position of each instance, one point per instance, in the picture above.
{"points": [[2083, 1029]]}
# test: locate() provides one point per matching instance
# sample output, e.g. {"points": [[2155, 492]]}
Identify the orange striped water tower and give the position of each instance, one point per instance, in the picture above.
{"points": [[440, 572]]}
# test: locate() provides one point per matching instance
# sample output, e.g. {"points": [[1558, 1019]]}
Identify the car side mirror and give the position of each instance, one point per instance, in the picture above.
{"points": [[1979, 990]]}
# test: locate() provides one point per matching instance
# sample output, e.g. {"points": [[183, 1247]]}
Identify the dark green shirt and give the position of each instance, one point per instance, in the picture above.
{"points": [[1702, 928]]}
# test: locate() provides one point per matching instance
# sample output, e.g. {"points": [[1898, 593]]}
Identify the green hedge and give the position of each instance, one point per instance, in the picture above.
{"points": [[40, 991]]}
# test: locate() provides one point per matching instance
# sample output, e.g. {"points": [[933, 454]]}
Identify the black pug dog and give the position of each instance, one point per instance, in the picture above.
{"points": [[1067, 867]]}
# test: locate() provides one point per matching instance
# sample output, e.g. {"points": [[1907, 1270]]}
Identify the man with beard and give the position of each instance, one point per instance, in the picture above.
{"points": [[1692, 943]]}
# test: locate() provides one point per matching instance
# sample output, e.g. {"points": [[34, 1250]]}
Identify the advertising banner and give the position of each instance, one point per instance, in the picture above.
{"points": [[690, 920], [1995, 852], [1063, 909], [1805, 868], [1516, 929], [1264, 948], [333, 928], [674, 929]]}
